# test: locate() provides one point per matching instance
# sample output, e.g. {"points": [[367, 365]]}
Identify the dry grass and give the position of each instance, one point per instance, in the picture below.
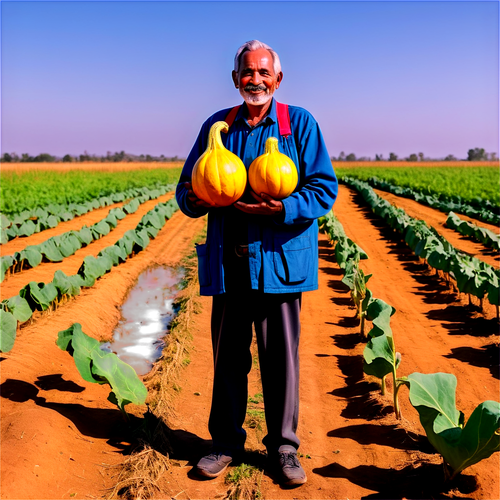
{"points": [[88, 166], [413, 164], [140, 474], [244, 483]]}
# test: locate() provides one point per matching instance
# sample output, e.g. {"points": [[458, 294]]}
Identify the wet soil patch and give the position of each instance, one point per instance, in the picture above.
{"points": [[146, 316]]}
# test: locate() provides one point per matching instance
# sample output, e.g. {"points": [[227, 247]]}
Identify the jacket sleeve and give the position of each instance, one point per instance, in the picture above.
{"points": [[197, 150], [318, 182]]}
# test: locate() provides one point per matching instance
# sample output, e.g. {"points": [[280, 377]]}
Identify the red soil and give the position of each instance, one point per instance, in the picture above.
{"points": [[58, 431]]}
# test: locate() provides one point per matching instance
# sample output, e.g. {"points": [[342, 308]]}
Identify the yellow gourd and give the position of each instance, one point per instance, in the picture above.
{"points": [[219, 177], [273, 172]]}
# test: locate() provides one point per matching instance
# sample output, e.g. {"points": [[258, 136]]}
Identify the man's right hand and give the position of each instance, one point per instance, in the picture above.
{"points": [[193, 199]]}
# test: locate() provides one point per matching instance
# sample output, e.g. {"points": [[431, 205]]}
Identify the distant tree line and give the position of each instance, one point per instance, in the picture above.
{"points": [[109, 157], [476, 154]]}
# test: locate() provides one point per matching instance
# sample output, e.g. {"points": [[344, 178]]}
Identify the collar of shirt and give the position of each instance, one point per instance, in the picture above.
{"points": [[271, 116]]}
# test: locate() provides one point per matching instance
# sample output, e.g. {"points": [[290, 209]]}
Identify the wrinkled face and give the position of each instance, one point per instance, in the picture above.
{"points": [[256, 79]]}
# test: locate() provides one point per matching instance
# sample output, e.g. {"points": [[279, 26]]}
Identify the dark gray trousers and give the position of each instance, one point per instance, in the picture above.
{"points": [[277, 326]]}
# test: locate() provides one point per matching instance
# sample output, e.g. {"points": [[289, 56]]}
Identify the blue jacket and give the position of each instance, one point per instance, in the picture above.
{"points": [[284, 252]]}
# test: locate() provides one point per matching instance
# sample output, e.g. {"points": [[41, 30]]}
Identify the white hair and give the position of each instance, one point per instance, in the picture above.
{"points": [[254, 45]]}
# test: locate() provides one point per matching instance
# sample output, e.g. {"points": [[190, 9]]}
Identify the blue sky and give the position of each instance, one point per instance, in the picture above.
{"points": [[379, 76]]}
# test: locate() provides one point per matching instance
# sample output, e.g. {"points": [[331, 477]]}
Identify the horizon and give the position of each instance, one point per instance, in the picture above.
{"points": [[379, 77]]}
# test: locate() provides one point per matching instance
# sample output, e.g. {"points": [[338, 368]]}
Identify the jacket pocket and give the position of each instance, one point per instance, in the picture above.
{"points": [[204, 275], [292, 260]]}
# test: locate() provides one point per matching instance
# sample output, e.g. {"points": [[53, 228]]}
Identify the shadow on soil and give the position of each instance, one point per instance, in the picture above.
{"points": [[357, 392], [412, 482], [91, 422], [459, 320], [384, 435], [487, 356], [326, 251]]}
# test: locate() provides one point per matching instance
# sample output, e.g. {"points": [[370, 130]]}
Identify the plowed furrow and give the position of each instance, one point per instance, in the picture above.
{"points": [[437, 219], [45, 271]]}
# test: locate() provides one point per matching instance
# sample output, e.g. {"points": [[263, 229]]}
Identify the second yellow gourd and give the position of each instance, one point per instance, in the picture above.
{"points": [[273, 172]]}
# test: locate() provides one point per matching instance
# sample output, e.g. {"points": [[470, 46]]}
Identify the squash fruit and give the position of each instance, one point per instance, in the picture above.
{"points": [[219, 177], [273, 172]]}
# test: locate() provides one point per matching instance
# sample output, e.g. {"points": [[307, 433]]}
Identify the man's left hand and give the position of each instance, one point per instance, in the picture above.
{"points": [[265, 205]]}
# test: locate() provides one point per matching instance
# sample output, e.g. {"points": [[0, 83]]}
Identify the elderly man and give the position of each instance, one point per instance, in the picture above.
{"points": [[260, 255]]}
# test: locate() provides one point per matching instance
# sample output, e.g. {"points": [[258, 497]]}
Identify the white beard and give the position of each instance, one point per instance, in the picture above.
{"points": [[256, 100]]}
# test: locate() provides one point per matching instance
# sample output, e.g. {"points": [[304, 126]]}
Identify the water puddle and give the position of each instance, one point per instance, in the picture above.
{"points": [[146, 316]]}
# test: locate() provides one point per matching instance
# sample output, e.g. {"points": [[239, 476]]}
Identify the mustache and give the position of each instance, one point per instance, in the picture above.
{"points": [[250, 87]]}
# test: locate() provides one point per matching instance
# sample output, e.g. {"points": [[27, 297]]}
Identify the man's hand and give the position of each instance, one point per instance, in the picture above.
{"points": [[265, 206], [193, 199]]}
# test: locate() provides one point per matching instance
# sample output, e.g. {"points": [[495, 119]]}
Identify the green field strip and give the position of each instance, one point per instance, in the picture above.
{"points": [[45, 296], [473, 184], [57, 248], [29, 222], [477, 207], [29, 190], [472, 276]]}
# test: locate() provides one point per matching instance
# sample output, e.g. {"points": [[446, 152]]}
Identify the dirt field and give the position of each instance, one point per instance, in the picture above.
{"points": [[60, 436]]}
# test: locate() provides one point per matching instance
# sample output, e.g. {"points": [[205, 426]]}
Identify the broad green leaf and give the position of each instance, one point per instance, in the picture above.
{"points": [[131, 207], [6, 262], [39, 295], [27, 228], [111, 220], [19, 308], [4, 237], [141, 240], [67, 285], [4, 221], [85, 235], [69, 243], [127, 241], [126, 385], [433, 396], [480, 437], [118, 213], [100, 229], [379, 356], [115, 253], [8, 328], [379, 313], [51, 251], [32, 254], [101, 367]]}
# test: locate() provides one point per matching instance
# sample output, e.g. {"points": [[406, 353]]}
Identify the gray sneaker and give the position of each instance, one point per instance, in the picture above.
{"points": [[289, 469], [213, 465]]}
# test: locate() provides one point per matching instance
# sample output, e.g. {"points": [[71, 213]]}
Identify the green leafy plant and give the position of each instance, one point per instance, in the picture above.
{"points": [[433, 396], [98, 366], [356, 280], [379, 356]]}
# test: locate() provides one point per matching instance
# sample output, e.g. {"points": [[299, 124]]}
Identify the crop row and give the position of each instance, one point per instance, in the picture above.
{"points": [[29, 222], [485, 236], [480, 209], [42, 296], [59, 247], [472, 276], [432, 395]]}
